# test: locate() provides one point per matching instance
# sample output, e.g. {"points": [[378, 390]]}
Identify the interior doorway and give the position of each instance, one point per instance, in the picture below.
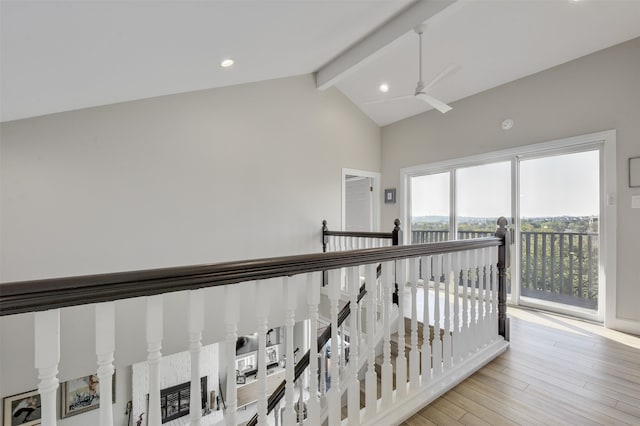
{"points": [[359, 200]]}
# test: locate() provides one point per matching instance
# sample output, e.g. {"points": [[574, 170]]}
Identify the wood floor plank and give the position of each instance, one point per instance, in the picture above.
{"points": [[449, 408], [480, 411], [472, 420], [557, 371], [438, 417]]}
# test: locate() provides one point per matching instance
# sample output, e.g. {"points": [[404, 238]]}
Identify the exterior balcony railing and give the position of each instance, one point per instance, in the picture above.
{"points": [[559, 267]]}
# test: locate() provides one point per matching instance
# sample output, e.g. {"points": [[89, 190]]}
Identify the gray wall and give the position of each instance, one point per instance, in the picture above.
{"points": [[597, 92], [216, 175], [231, 173]]}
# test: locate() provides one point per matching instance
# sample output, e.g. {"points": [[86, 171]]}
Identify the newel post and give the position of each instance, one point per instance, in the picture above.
{"points": [[503, 263], [325, 237], [396, 234], [396, 240]]}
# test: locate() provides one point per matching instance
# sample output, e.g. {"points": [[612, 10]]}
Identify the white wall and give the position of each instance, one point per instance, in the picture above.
{"points": [[597, 92], [224, 174]]}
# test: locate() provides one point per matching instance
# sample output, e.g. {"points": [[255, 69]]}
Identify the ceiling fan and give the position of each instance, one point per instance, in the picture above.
{"points": [[421, 88]]}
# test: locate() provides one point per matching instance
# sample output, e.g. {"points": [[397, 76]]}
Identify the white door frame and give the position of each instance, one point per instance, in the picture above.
{"points": [[608, 182], [375, 207]]}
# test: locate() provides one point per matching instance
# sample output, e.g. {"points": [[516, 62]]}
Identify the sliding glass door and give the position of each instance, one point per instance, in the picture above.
{"points": [[483, 194], [559, 239], [552, 199]]}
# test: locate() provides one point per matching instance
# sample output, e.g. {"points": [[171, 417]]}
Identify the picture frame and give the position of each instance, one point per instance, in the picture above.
{"points": [[81, 395], [390, 196], [634, 172], [241, 379], [22, 409], [272, 354]]}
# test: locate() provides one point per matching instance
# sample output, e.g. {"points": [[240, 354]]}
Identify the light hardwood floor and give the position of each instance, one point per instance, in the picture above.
{"points": [[557, 371]]}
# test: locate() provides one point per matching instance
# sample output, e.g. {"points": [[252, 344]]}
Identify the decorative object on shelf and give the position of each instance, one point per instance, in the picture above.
{"points": [[241, 379], [390, 196], [634, 172], [82, 395], [22, 409]]}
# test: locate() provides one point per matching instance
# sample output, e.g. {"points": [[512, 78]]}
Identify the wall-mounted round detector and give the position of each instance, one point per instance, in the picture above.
{"points": [[507, 124]]}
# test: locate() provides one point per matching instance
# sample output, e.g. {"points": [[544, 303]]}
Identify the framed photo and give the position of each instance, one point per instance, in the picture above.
{"points": [[246, 363], [272, 354], [241, 379], [82, 395], [390, 196], [22, 409]]}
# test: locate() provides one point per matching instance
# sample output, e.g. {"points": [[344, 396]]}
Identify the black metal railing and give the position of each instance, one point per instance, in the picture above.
{"points": [[559, 267]]}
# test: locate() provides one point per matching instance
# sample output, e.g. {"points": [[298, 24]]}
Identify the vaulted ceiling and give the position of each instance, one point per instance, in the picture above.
{"points": [[65, 55]]}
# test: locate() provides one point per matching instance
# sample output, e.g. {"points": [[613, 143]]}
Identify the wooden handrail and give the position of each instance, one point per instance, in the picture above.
{"points": [[40, 295], [395, 236]]}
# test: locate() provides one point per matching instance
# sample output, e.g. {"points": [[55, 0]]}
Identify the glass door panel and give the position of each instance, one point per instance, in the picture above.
{"points": [[483, 194], [559, 239], [430, 208]]}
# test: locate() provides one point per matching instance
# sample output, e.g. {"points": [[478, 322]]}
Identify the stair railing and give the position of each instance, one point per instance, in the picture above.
{"points": [[458, 347]]}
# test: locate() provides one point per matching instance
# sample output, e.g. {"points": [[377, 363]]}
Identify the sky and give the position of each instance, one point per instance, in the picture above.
{"points": [[563, 185]]}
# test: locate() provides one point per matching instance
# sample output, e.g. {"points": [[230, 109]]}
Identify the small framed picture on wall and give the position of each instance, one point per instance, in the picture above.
{"points": [[22, 409], [390, 196]]}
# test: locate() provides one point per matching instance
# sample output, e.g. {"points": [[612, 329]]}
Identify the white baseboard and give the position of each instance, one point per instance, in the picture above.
{"points": [[416, 400]]}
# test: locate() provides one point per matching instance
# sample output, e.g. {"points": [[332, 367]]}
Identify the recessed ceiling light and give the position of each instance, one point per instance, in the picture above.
{"points": [[384, 87], [226, 63]]}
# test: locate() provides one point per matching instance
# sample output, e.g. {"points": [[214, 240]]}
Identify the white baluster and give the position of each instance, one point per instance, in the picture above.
{"points": [[323, 373], [353, 396], [387, 368], [473, 341], [455, 339], [487, 296], [300, 403], [481, 323], [437, 339], [289, 297], [105, 345], [47, 357], [333, 396], [446, 338], [414, 353], [154, 345], [494, 295], [313, 299], [262, 314], [401, 359], [371, 377], [232, 306], [196, 324], [426, 330], [464, 338]]}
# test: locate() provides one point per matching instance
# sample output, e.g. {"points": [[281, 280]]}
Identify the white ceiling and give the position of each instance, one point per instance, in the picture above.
{"points": [[64, 55]]}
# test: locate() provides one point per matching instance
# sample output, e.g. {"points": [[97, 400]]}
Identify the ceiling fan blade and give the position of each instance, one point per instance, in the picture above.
{"points": [[380, 101], [439, 105], [444, 73]]}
